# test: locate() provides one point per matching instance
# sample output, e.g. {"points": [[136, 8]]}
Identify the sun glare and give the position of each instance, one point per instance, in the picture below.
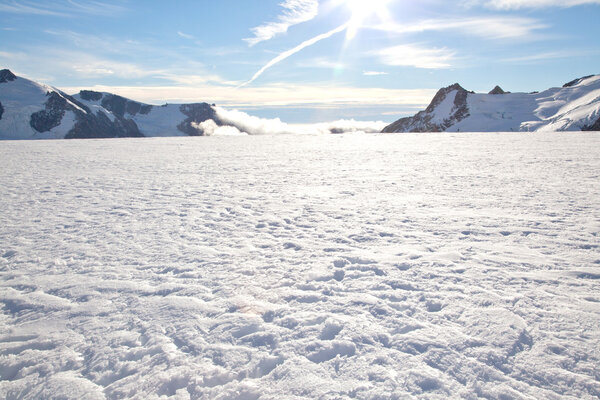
{"points": [[362, 10]]}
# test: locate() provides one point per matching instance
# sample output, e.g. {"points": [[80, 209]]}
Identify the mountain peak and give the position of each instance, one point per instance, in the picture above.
{"points": [[7, 76], [497, 90], [442, 93], [577, 81], [452, 100]]}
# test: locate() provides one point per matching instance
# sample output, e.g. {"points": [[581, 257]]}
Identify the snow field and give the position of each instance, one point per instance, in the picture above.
{"points": [[301, 267]]}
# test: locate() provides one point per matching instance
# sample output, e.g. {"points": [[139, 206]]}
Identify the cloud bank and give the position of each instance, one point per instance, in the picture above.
{"points": [[295, 12], [239, 123]]}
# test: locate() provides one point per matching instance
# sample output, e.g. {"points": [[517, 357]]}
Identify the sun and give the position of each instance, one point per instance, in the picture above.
{"points": [[363, 10]]}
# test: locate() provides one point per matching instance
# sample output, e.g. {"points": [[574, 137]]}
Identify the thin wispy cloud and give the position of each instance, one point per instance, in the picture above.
{"points": [[185, 35], [95, 7], [300, 47], [84, 65], [30, 8], [550, 55], [517, 4], [117, 48], [320, 62], [65, 8], [374, 73], [485, 27], [295, 12], [411, 55], [496, 27]]}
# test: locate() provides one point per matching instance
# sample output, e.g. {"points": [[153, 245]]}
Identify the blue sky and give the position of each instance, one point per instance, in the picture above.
{"points": [[301, 60]]}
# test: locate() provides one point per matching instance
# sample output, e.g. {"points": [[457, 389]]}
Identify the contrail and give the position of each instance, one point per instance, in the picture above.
{"points": [[296, 49]]}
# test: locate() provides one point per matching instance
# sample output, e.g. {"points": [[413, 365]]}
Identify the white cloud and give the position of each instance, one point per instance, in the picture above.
{"points": [[210, 128], [374, 73], [517, 4], [248, 124], [409, 55], [295, 12]]}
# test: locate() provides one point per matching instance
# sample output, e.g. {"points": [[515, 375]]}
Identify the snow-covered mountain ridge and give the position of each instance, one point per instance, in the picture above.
{"points": [[29, 110], [573, 107]]}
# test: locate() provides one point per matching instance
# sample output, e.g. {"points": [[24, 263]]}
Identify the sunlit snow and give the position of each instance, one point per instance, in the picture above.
{"points": [[301, 267]]}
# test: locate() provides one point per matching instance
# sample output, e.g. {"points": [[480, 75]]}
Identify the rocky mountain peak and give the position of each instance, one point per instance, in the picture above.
{"points": [[497, 90], [576, 81], [442, 93], [7, 76], [429, 120]]}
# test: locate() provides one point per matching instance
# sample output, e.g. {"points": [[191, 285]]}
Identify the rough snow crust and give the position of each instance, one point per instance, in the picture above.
{"points": [[301, 267]]}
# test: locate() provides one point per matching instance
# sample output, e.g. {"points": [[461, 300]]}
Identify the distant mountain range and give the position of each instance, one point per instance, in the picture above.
{"points": [[573, 107], [30, 110]]}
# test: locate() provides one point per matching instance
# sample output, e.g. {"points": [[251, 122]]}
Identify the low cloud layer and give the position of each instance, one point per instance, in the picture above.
{"points": [[239, 123]]}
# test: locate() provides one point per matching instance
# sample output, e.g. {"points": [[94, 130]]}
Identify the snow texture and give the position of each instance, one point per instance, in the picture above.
{"points": [[301, 267]]}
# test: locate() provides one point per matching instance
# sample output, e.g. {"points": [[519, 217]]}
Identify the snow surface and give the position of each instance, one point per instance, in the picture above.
{"points": [[301, 267]]}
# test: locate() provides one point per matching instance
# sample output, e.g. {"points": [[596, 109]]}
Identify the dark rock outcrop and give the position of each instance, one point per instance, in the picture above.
{"points": [[87, 125], [423, 121], [594, 127], [196, 113], [90, 95], [1, 111], [54, 111], [7, 76], [497, 90], [51, 116], [99, 126], [576, 81], [120, 105]]}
